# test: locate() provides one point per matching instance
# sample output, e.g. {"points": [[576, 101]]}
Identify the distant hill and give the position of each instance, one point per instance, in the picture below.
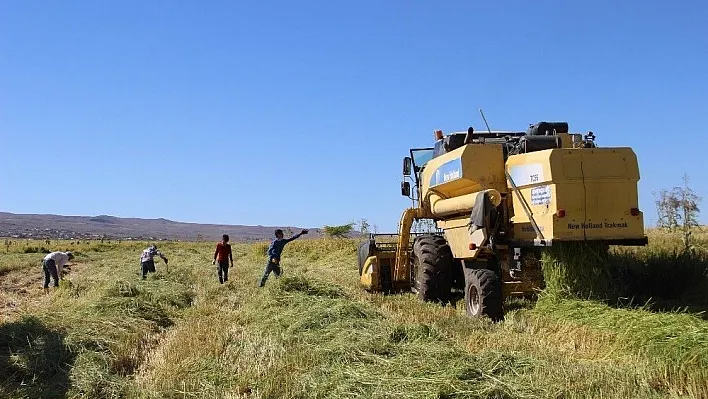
{"points": [[92, 227]]}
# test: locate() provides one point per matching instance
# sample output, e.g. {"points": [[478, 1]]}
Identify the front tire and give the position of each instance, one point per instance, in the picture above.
{"points": [[483, 296], [432, 266]]}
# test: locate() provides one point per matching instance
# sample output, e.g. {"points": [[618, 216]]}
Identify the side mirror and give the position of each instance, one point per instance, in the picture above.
{"points": [[405, 189], [407, 162]]}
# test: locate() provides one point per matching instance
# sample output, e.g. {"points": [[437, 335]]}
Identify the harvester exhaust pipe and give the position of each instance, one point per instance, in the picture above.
{"points": [[468, 136]]}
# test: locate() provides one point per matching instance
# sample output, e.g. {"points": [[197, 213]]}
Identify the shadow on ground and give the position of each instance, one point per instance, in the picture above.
{"points": [[664, 282], [34, 362]]}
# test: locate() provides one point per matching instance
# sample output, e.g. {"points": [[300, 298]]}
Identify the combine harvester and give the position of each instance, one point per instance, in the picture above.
{"points": [[498, 199]]}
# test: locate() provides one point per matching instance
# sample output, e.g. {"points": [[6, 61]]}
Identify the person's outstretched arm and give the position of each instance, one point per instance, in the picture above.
{"points": [[296, 236]]}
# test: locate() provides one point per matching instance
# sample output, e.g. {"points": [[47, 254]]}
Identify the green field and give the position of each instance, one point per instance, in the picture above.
{"points": [[314, 334]]}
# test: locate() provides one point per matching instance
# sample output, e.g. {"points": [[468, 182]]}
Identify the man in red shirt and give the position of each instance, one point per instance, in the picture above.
{"points": [[223, 255]]}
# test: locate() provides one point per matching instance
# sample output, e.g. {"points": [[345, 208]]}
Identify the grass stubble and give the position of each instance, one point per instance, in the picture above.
{"points": [[314, 334]]}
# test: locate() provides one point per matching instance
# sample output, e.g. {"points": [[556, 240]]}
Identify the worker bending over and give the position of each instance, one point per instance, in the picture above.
{"points": [[53, 265], [147, 260]]}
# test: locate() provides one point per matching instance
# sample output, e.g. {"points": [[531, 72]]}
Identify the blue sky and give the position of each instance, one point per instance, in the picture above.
{"points": [[298, 113]]}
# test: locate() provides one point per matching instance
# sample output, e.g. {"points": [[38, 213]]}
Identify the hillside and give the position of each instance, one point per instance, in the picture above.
{"points": [[89, 227], [314, 333]]}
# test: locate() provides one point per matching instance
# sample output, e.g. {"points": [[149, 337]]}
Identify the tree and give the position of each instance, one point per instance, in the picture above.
{"points": [[667, 208], [678, 209], [339, 231], [364, 227], [689, 211], [424, 226]]}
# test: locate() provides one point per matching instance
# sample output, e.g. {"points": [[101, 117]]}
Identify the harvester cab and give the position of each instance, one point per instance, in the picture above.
{"points": [[497, 199], [412, 167]]}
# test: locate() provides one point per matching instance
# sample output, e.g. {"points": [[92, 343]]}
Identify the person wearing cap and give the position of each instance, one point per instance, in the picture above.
{"points": [[147, 261], [274, 251], [53, 264]]}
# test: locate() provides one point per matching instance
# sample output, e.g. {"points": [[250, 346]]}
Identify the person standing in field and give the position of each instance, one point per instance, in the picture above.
{"points": [[53, 264], [147, 261], [274, 251], [223, 255]]}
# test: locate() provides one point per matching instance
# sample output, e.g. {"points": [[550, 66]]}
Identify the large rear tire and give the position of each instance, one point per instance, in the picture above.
{"points": [[483, 294], [432, 268]]}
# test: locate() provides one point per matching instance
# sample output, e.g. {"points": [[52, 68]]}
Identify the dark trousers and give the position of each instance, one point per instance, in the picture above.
{"points": [[222, 269], [148, 267], [271, 267], [50, 269]]}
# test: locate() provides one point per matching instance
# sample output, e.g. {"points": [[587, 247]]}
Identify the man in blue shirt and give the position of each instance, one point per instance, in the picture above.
{"points": [[274, 251]]}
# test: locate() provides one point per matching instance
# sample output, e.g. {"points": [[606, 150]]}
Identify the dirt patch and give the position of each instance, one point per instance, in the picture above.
{"points": [[20, 289]]}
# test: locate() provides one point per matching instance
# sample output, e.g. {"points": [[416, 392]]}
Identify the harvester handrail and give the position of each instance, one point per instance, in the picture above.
{"points": [[393, 236], [494, 133], [525, 205]]}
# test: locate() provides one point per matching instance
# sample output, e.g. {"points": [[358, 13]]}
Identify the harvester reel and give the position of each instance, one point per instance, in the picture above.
{"points": [[366, 248]]}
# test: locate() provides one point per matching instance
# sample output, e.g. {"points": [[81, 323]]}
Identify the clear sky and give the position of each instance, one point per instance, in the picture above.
{"points": [[299, 113]]}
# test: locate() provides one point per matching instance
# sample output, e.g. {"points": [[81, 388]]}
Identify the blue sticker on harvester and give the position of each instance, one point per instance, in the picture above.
{"points": [[447, 172]]}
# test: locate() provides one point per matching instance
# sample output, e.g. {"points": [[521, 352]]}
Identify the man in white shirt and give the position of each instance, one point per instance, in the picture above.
{"points": [[147, 260], [53, 265]]}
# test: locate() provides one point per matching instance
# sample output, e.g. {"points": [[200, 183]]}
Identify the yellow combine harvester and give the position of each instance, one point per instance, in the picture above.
{"points": [[497, 199]]}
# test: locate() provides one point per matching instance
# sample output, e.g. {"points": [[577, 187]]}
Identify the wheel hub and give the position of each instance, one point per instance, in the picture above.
{"points": [[473, 302]]}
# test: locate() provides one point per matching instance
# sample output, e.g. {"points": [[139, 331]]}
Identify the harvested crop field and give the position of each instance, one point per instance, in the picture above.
{"points": [[314, 334]]}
